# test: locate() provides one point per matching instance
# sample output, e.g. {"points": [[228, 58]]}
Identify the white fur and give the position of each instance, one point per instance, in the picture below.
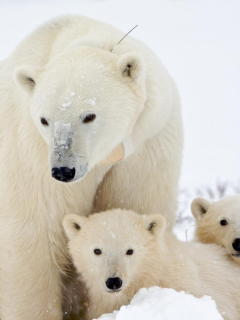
{"points": [[208, 216], [70, 67], [158, 258]]}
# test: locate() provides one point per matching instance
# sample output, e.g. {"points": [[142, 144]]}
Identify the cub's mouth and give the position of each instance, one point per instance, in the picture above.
{"points": [[114, 285], [113, 291], [236, 254]]}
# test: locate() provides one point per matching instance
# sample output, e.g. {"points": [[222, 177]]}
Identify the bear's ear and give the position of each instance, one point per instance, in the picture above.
{"points": [[72, 224], [199, 207], [155, 223], [131, 65], [25, 77]]}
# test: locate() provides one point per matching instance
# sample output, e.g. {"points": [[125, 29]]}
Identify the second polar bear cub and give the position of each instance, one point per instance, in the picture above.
{"points": [[118, 252], [219, 222]]}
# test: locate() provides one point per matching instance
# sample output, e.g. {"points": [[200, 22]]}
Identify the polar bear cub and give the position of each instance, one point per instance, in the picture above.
{"points": [[118, 252], [219, 222]]}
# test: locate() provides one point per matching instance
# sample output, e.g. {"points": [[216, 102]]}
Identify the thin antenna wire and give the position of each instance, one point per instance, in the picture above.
{"points": [[127, 34]]}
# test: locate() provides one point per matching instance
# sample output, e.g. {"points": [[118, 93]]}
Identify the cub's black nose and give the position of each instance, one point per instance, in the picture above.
{"points": [[236, 244], [63, 174], [114, 283]]}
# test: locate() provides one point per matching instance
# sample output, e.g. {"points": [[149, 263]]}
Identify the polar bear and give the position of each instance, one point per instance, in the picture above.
{"points": [[117, 252], [219, 222], [86, 124]]}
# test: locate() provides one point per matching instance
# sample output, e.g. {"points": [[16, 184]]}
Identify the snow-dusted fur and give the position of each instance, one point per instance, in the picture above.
{"points": [[67, 69], [158, 258], [219, 222]]}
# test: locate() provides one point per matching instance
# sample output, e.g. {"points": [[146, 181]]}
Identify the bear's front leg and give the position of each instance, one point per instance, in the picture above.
{"points": [[30, 285]]}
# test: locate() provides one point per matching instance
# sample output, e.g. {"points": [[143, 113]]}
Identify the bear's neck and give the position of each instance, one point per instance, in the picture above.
{"points": [[163, 265], [173, 260], [174, 264]]}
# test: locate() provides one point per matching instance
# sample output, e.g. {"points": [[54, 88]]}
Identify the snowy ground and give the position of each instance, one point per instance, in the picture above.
{"points": [[198, 42], [166, 304]]}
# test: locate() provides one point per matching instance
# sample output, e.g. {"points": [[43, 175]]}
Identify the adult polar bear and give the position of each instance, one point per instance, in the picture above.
{"points": [[77, 96]]}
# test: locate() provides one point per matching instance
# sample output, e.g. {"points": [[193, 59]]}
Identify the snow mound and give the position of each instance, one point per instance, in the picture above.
{"points": [[166, 304]]}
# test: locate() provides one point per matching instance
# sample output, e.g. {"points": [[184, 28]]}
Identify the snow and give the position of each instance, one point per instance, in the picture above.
{"points": [[62, 136], [92, 102], [67, 104], [113, 236], [166, 304]]}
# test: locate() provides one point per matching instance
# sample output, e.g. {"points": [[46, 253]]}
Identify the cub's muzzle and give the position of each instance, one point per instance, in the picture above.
{"points": [[114, 284], [236, 244]]}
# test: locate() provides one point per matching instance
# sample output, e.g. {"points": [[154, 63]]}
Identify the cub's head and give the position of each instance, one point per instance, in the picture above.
{"points": [[113, 250], [219, 222], [85, 104]]}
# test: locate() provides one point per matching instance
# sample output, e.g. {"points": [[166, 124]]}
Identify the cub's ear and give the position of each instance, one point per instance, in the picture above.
{"points": [[199, 207], [25, 77], [131, 65], [72, 224], [155, 223]]}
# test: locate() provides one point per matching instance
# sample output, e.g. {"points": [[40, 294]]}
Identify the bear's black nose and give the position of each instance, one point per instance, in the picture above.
{"points": [[63, 174], [236, 244], [114, 283]]}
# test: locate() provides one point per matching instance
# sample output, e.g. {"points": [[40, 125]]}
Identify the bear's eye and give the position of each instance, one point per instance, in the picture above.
{"points": [[76, 226], [223, 222], [44, 121], [89, 118], [129, 252], [97, 252]]}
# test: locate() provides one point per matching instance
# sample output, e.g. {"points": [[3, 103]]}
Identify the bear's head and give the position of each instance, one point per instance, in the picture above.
{"points": [[219, 222], [85, 103], [114, 250]]}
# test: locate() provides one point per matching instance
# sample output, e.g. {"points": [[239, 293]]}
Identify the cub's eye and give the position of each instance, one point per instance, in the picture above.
{"points": [[223, 222], [129, 252], [97, 252], [89, 118], [44, 121]]}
